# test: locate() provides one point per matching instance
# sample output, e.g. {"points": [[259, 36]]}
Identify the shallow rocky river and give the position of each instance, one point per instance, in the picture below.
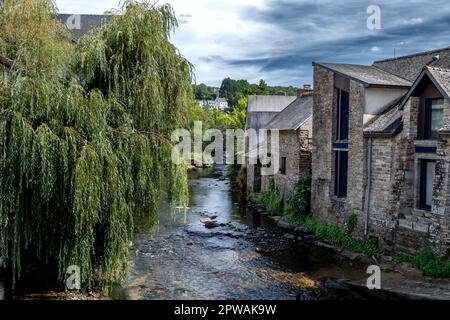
{"points": [[181, 259]]}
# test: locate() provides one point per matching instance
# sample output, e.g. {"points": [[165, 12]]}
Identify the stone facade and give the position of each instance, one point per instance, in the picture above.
{"points": [[293, 128], [393, 213], [324, 204], [295, 146]]}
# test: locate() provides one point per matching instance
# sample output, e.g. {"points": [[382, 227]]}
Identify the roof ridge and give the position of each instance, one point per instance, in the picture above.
{"points": [[438, 68], [379, 69], [418, 54]]}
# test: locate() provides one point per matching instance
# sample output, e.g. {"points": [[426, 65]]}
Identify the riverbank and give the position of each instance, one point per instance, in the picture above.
{"points": [[399, 280], [246, 255], [240, 257]]}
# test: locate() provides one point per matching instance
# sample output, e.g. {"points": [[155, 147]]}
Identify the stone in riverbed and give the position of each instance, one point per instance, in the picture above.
{"points": [[283, 224], [211, 224], [336, 285], [289, 236], [352, 256], [310, 238]]}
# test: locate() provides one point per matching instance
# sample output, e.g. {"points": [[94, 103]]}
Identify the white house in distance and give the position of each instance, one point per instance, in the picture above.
{"points": [[219, 103]]}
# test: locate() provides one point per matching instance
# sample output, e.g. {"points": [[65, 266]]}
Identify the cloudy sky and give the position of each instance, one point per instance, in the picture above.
{"points": [[277, 40]]}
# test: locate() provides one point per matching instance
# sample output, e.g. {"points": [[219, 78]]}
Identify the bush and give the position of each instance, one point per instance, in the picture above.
{"points": [[233, 172], [342, 238], [273, 199], [432, 266], [257, 198], [299, 206], [402, 258]]}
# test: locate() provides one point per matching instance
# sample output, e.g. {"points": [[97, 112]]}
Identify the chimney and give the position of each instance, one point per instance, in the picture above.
{"points": [[306, 91]]}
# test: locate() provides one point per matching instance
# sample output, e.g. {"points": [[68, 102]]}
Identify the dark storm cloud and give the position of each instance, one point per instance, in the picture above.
{"points": [[303, 32]]}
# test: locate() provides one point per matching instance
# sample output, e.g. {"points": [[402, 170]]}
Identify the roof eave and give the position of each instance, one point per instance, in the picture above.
{"points": [[366, 84], [419, 79]]}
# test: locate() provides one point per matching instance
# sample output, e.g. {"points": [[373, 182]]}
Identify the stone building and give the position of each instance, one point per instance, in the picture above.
{"points": [[380, 149], [294, 127], [260, 111]]}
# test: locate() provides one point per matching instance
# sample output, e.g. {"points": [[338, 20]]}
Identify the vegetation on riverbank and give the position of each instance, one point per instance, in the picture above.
{"points": [[85, 133], [428, 263], [297, 211]]}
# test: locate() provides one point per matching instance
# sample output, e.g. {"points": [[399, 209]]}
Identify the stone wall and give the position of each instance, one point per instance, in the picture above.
{"points": [[321, 163], [324, 204], [296, 147]]}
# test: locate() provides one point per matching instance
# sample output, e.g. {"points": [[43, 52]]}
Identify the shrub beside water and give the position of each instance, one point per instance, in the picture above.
{"points": [[299, 206], [273, 199], [342, 238], [431, 265]]}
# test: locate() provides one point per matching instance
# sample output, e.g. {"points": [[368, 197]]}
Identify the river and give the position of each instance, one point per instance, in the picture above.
{"points": [[182, 259]]}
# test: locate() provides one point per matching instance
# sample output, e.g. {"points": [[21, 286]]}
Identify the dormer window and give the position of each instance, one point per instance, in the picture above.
{"points": [[433, 117]]}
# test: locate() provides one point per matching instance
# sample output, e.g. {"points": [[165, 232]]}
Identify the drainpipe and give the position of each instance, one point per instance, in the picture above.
{"points": [[369, 187]]}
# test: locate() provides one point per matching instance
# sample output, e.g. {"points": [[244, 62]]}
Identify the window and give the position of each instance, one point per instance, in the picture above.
{"points": [[283, 165], [341, 169], [427, 173], [268, 161], [433, 117], [342, 115]]}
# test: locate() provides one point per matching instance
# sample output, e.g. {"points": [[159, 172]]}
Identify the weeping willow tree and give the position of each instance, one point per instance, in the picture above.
{"points": [[84, 136]]}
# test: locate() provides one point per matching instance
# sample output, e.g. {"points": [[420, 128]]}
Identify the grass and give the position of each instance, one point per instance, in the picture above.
{"points": [[341, 238], [297, 211], [299, 206], [272, 199], [428, 263]]}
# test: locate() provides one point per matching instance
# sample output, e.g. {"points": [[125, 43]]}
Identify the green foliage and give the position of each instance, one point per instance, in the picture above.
{"points": [[257, 198], [233, 172], [273, 199], [432, 266], [238, 116], [233, 90], [341, 238], [299, 206], [203, 92], [85, 135], [402, 258], [351, 224]]}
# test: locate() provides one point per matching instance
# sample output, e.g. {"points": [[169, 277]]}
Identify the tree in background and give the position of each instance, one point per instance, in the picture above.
{"points": [[238, 115], [84, 134], [234, 90], [203, 92]]}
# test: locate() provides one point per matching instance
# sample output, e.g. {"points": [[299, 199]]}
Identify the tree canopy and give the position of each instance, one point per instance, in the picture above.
{"points": [[84, 134], [234, 90]]}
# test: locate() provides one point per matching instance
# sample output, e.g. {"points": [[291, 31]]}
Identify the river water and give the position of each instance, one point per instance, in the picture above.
{"points": [[182, 259]]}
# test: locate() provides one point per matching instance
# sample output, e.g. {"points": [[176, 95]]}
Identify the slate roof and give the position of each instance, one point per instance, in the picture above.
{"points": [[389, 122], [439, 76], [294, 116], [259, 120], [442, 76], [88, 22], [409, 67], [269, 103], [367, 75]]}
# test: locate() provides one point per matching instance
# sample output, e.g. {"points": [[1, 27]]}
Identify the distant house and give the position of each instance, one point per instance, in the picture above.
{"points": [[381, 149], [219, 103], [79, 25], [294, 125], [291, 117]]}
